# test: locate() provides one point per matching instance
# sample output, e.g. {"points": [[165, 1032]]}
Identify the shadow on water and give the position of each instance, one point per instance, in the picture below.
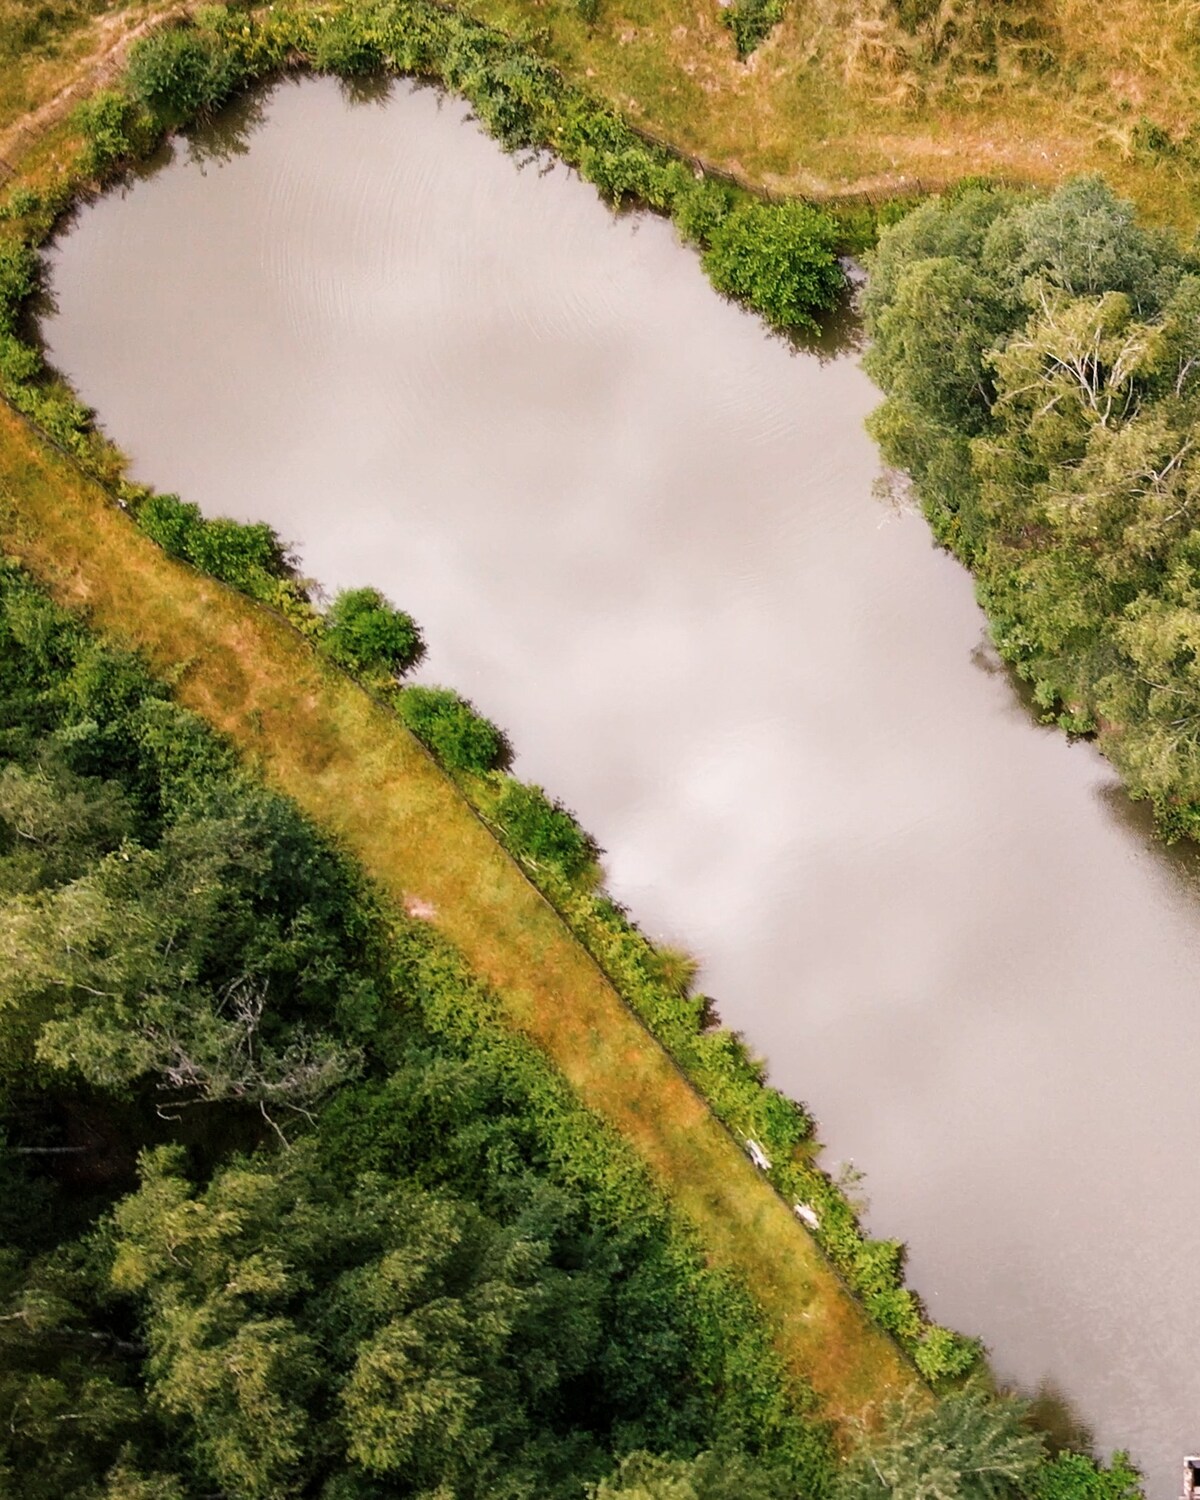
{"points": [[367, 88], [226, 136], [1135, 820], [1052, 1415]]}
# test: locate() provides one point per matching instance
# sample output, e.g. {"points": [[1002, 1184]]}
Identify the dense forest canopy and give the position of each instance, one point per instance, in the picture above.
{"points": [[283, 1211], [1041, 359]]}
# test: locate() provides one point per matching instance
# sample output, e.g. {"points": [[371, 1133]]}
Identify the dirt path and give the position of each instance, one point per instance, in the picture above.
{"points": [[109, 39]]}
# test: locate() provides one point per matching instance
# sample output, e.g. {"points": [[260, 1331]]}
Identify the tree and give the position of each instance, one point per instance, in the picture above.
{"points": [[300, 1324], [1086, 241], [162, 963], [968, 1446], [710, 1476]]}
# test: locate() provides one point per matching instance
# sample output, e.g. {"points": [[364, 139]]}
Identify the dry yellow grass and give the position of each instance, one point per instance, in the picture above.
{"points": [[353, 768], [831, 103], [837, 100]]}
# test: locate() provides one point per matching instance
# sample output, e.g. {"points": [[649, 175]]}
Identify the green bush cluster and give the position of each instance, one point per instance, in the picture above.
{"points": [[115, 130], [370, 637], [182, 71], [461, 738], [18, 278], [246, 555], [542, 833]]}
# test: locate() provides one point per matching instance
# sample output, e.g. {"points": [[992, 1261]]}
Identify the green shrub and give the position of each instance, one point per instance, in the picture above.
{"points": [[780, 259], [346, 47], [181, 73], [944, 1355], [544, 831], [700, 207], [18, 278], [21, 200], [897, 1311], [462, 739], [1073, 1476], [247, 556], [243, 554], [114, 130], [366, 634], [170, 522]]}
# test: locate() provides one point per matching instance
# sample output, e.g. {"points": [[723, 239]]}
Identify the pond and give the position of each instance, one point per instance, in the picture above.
{"points": [[643, 535]]}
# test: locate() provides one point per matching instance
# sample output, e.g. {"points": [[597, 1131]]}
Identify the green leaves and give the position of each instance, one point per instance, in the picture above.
{"points": [[967, 1447], [1041, 359], [461, 738], [179, 72], [367, 635], [780, 259]]}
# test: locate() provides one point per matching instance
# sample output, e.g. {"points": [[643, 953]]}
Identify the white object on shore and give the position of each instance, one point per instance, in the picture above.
{"points": [[757, 1155], [807, 1215]]}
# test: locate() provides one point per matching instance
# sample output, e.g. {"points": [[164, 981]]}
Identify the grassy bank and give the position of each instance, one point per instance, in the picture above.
{"points": [[843, 96]]}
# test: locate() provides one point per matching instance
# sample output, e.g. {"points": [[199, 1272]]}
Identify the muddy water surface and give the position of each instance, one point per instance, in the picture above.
{"points": [[641, 534]]}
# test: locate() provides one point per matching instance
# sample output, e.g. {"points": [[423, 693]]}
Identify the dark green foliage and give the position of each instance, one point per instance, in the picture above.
{"points": [[18, 277], [367, 635], [114, 130], [543, 831], [1041, 358], [181, 72], [461, 738], [780, 259], [970, 1446], [751, 22], [244, 555], [1073, 1476]]}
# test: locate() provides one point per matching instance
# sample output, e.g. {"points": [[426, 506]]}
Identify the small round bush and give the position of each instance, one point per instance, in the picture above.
{"points": [[366, 634], [544, 831], [462, 739], [242, 554], [780, 258]]}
